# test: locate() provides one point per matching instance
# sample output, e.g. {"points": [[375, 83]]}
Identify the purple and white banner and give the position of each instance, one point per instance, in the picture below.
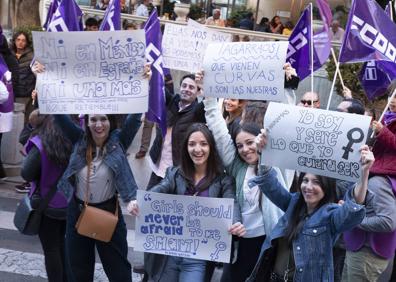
{"points": [[157, 110], [68, 17], [112, 18], [370, 34]]}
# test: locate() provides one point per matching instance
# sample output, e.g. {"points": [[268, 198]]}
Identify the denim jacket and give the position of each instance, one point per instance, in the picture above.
{"points": [[313, 247], [115, 157]]}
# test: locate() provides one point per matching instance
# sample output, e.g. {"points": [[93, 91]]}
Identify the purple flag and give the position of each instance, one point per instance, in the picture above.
{"points": [[375, 76], [298, 52], [322, 42], [51, 11], [68, 17], [373, 80], [112, 17], [325, 13], [369, 35], [156, 110]]}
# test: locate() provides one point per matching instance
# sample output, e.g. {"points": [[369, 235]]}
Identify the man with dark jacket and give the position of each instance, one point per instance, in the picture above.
{"points": [[23, 52], [182, 110], [247, 22]]}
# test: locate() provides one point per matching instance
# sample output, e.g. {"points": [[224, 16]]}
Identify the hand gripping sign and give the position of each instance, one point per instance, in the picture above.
{"points": [[184, 226], [91, 72]]}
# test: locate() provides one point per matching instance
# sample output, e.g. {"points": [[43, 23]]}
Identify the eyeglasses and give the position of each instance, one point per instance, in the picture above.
{"points": [[308, 102]]}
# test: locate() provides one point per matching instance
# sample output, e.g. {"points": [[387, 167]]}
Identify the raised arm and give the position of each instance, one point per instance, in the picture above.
{"points": [[69, 128], [351, 213], [129, 129], [367, 160], [269, 184], [217, 125]]}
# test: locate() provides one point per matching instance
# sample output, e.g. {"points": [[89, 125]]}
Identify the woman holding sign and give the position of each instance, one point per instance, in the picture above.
{"points": [[305, 234], [200, 174], [240, 159], [97, 172]]}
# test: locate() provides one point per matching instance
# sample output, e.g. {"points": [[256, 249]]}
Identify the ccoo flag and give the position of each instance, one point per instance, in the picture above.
{"points": [[375, 76], [68, 17], [156, 110], [112, 17], [298, 52], [51, 11], [370, 34]]}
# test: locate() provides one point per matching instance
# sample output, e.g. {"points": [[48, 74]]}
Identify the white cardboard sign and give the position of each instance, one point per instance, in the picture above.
{"points": [[183, 47], [91, 72], [313, 140], [184, 226], [245, 70]]}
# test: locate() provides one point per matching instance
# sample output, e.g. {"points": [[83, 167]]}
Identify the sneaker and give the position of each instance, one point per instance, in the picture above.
{"points": [[140, 154], [23, 188]]}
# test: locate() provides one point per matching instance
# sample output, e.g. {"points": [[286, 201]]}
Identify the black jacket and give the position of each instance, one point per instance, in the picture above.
{"points": [[26, 78], [180, 122]]}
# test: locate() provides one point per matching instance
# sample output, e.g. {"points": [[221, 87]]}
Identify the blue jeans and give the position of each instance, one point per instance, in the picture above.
{"points": [[80, 251], [183, 270]]}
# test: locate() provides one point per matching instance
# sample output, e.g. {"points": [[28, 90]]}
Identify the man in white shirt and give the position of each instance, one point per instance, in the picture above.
{"points": [[337, 33], [142, 9]]}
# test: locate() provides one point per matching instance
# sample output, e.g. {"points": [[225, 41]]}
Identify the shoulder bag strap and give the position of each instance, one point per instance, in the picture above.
{"points": [[44, 203]]}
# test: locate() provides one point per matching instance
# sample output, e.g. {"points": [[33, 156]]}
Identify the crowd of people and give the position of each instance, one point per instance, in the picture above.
{"points": [[287, 225]]}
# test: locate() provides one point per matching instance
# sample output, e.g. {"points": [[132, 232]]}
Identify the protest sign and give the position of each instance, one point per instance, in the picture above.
{"points": [[5, 122], [183, 47], [316, 141], [184, 226], [91, 72], [245, 70]]}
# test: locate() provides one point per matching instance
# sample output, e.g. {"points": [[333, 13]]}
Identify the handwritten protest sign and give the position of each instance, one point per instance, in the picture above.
{"points": [[91, 72], [183, 47], [245, 70], [316, 141], [184, 226]]}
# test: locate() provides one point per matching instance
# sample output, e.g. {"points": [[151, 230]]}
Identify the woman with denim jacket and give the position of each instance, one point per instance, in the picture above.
{"points": [[98, 163], [200, 174], [305, 234]]}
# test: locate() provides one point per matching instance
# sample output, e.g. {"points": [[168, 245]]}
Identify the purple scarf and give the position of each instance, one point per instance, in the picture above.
{"points": [[389, 117]]}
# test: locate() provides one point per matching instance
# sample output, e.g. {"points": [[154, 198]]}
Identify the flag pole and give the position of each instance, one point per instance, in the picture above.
{"points": [[332, 87], [337, 67], [386, 108], [311, 55]]}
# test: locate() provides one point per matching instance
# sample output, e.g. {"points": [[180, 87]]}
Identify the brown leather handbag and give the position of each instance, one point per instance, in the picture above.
{"points": [[96, 223]]}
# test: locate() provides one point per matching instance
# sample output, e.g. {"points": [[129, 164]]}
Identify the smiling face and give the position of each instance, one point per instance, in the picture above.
{"points": [[21, 42], [99, 126], [312, 191], [231, 105], [247, 150], [188, 91], [198, 148]]}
